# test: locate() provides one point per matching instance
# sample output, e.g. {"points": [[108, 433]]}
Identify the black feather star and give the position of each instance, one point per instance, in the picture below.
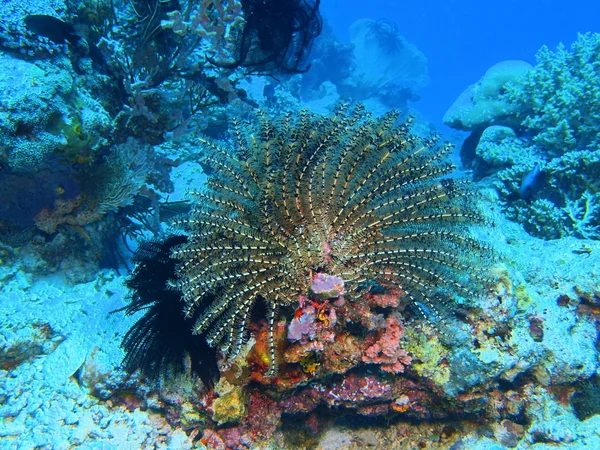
{"points": [[161, 340]]}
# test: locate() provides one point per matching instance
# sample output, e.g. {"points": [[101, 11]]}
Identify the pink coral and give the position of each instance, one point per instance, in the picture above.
{"points": [[212, 440], [355, 390], [390, 299], [386, 351], [71, 212]]}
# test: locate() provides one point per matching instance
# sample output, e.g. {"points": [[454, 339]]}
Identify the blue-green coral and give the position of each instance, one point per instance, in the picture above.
{"points": [[560, 97], [559, 104]]}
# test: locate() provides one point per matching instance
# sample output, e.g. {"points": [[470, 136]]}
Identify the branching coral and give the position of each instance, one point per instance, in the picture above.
{"points": [[351, 197], [217, 22], [560, 98], [566, 193], [555, 146], [585, 215]]}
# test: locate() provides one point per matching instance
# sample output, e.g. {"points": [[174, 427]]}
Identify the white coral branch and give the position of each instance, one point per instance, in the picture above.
{"points": [[585, 215]]}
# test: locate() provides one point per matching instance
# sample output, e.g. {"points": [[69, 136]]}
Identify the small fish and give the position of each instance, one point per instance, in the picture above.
{"points": [[529, 182], [62, 32], [583, 250], [52, 28]]}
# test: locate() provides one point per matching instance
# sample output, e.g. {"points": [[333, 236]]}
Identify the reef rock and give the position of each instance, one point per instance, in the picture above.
{"points": [[483, 104]]}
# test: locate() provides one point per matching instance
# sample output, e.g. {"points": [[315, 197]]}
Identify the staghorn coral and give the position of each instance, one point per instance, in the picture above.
{"points": [[559, 99], [347, 196], [546, 166]]}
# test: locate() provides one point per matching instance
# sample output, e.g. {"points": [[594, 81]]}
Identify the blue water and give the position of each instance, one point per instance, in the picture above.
{"points": [[463, 38]]}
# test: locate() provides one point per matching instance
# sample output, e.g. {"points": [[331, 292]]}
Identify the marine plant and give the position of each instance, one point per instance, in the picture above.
{"points": [[355, 201]]}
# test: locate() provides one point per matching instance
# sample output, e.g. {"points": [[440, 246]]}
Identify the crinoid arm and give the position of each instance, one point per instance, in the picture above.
{"points": [[347, 196]]}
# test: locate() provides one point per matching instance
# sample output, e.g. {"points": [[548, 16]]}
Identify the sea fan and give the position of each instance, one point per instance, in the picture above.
{"points": [[347, 196]]}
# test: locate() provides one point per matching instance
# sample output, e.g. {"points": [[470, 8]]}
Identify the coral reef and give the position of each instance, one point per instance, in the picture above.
{"points": [[16, 39], [498, 149], [545, 164], [559, 99], [276, 36], [105, 188], [87, 81], [330, 280], [159, 54], [509, 383], [304, 278], [565, 195], [65, 178], [340, 359], [46, 111], [346, 72], [323, 205]]}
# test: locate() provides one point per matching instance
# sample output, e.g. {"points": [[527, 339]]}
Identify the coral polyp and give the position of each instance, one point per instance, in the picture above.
{"points": [[302, 199]]}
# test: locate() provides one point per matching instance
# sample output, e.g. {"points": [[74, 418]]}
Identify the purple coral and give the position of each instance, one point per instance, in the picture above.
{"points": [[303, 326], [326, 286]]}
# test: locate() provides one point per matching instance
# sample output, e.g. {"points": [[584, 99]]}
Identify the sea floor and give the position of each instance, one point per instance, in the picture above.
{"points": [[61, 386]]}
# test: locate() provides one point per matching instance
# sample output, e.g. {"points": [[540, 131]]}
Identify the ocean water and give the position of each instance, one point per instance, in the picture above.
{"points": [[292, 224], [462, 39]]}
